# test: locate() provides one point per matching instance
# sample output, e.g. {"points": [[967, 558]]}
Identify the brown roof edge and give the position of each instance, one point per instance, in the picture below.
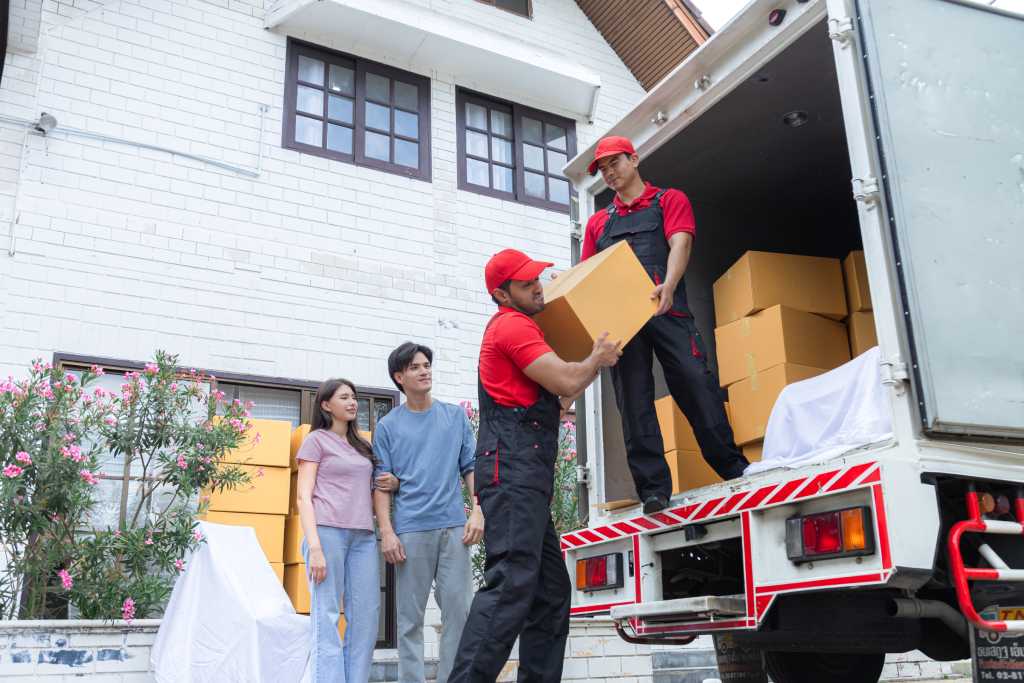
{"points": [[691, 17]]}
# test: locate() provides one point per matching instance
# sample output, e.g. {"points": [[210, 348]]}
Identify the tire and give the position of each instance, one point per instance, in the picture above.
{"points": [[815, 667]]}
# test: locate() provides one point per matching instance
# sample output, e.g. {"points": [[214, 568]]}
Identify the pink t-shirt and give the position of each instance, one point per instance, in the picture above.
{"points": [[342, 494]]}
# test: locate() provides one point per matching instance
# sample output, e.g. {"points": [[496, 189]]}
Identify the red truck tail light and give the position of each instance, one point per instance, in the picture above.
{"points": [[823, 535], [599, 573]]}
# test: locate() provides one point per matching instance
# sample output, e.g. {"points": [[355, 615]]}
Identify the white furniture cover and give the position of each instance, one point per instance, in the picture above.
{"points": [[229, 618], [828, 415]]}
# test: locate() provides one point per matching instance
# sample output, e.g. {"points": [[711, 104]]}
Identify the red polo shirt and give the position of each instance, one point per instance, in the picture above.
{"points": [[675, 208], [511, 342]]}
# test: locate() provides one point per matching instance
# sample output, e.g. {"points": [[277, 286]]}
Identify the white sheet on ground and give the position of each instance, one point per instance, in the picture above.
{"points": [[229, 618], [828, 415]]}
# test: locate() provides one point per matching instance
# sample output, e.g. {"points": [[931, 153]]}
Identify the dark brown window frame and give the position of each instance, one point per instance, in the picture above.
{"points": [[307, 392], [518, 194], [361, 67], [529, 8]]}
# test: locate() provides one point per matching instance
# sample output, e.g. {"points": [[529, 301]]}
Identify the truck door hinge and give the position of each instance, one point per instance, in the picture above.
{"points": [[865, 189], [840, 29], [582, 475], [894, 374]]}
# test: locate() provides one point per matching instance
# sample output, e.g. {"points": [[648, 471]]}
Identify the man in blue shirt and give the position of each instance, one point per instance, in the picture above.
{"points": [[428, 445]]}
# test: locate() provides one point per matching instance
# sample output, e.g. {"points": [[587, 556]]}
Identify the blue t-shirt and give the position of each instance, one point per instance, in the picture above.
{"points": [[429, 452]]}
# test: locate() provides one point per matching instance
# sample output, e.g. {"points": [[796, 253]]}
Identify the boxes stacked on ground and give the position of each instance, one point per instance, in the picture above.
{"points": [[262, 503], [682, 452], [777, 324], [861, 323]]}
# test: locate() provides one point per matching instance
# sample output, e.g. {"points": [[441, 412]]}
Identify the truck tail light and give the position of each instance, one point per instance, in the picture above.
{"points": [[839, 533], [599, 573]]}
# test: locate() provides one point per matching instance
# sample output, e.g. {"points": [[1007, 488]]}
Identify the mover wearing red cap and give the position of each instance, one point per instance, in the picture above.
{"points": [[659, 225], [523, 386]]}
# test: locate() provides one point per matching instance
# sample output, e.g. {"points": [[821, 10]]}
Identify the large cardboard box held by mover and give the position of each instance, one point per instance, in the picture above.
{"points": [[609, 292], [689, 471], [269, 530], [266, 493], [778, 335], [855, 271], [298, 434], [863, 335], [752, 399], [762, 279], [272, 449]]}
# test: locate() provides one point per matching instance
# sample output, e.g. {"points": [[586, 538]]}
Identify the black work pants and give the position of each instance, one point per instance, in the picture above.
{"points": [[526, 594], [695, 389]]}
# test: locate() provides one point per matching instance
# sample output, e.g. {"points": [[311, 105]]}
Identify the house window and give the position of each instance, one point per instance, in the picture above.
{"points": [[513, 152], [355, 110], [520, 7], [275, 399]]}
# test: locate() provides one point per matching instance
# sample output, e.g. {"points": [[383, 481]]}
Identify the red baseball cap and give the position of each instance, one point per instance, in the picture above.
{"points": [[510, 264], [609, 147]]}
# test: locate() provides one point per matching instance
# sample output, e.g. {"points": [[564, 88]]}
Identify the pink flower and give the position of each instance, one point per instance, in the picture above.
{"points": [[72, 452], [12, 471], [88, 477], [205, 499], [179, 565], [65, 579], [152, 368], [259, 472], [117, 534], [181, 461], [174, 386], [197, 534], [218, 394], [468, 407], [236, 424], [23, 457], [96, 370], [249, 405], [86, 399], [148, 541], [110, 421], [69, 378], [257, 439], [128, 610]]}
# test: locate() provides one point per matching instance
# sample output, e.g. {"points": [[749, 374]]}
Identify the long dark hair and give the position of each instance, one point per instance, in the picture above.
{"points": [[323, 419]]}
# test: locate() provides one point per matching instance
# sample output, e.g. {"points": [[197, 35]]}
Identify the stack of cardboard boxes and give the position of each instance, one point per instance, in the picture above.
{"points": [[685, 461], [861, 323], [263, 503]]}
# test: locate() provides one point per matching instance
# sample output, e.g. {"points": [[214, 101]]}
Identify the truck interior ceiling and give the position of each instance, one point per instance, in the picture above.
{"points": [[766, 168]]}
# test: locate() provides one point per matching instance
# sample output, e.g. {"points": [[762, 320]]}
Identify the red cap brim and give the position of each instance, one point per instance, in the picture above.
{"points": [[592, 169], [530, 270]]}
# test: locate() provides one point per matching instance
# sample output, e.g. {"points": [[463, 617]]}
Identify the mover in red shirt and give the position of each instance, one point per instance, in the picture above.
{"points": [[523, 385]]}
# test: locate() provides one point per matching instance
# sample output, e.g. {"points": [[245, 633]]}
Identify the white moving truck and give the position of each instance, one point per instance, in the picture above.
{"points": [[819, 127]]}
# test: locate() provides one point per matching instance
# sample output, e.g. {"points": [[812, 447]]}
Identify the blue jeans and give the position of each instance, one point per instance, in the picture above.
{"points": [[353, 576]]}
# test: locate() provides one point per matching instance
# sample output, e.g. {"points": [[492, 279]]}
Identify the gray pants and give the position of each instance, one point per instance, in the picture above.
{"points": [[435, 557]]}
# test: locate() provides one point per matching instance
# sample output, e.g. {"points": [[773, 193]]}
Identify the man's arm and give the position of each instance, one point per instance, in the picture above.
{"points": [[569, 379], [390, 545], [680, 247], [473, 532]]}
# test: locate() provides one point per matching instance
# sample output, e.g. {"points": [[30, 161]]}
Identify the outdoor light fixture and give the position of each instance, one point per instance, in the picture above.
{"points": [[795, 118], [46, 123]]}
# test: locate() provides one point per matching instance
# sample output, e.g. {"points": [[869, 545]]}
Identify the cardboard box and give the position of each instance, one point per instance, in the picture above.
{"points": [[293, 494], [609, 292], [298, 434], [676, 431], [762, 279], [293, 536], [855, 270], [269, 530], [752, 399], [689, 471], [863, 335], [778, 335], [278, 568], [272, 449], [296, 585], [264, 494], [753, 451]]}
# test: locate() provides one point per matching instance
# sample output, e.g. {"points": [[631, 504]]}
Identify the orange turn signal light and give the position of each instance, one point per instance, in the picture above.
{"points": [[854, 537]]}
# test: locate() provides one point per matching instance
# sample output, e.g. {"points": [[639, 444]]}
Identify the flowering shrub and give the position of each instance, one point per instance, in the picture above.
{"points": [[565, 498], [59, 439]]}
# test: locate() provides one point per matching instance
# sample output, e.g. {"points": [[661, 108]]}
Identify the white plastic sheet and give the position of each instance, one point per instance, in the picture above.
{"points": [[229, 619], [828, 415]]}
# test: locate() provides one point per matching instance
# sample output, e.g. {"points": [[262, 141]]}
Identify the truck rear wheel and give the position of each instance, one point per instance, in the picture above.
{"points": [[817, 667]]}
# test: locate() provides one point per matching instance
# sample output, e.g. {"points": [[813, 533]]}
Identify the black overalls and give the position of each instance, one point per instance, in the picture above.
{"points": [[527, 589], [680, 349]]}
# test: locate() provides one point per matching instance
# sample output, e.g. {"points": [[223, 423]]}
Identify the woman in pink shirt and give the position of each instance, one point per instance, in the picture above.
{"points": [[340, 547]]}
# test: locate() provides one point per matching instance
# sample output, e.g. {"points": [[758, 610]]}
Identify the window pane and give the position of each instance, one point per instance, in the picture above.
{"points": [[558, 190], [554, 136], [407, 153], [268, 403], [477, 172], [363, 414], [556, 162], [533, 157], [501, 150], [534, 185], [501, 124], [378, 117], [339, 138], [502, 178], [310, 100], [378, 88], [340, 108], [476, 116], [308, 131], [311, 70], [407, 124], [476, 144], [378, 147], [381, 407], [342, 80], [518, 6], [407, 96], [532, 130]]}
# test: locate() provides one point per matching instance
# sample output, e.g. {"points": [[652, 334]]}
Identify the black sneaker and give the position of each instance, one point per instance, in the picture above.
{"points": [[655, 503]]}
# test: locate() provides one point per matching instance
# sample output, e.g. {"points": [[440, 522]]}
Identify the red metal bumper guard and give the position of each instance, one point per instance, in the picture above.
{"points": [[962, 575]]}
